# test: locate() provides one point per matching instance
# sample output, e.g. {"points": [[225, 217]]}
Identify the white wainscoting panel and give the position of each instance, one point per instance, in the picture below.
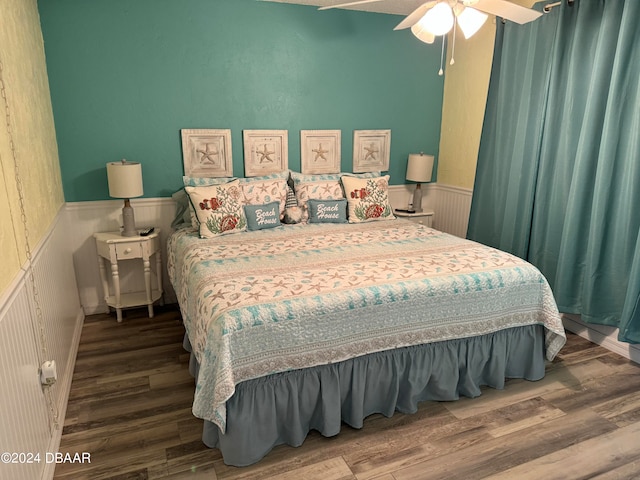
{"points": [[25, 416], [452, 207], [401, 195], [87, 218]]}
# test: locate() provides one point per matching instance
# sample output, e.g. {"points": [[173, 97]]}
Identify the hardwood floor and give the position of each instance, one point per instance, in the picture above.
{"points": [[130, 409]]}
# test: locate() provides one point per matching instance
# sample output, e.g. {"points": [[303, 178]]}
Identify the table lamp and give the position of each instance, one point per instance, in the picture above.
{"points": [[125, 181], [419, 169]]}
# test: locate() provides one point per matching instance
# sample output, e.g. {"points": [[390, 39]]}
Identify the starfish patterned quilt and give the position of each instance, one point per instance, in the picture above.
{"points": [[296, 296]]}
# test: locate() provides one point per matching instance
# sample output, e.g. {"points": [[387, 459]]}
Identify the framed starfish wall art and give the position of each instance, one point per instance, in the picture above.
{"points": [[265, 152], [371, 150], [207, 152], [320, 151]]}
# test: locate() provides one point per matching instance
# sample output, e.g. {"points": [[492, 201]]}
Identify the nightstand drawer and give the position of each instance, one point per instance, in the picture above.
{"points": [[425, 220], [128, 250]]}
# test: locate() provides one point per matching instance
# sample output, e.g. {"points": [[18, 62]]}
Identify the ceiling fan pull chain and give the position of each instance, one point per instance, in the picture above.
{"points": [[453, 46], [441, 71]]}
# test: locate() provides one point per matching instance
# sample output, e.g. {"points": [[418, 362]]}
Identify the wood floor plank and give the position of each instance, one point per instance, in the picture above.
{"points": [[588, 459], [330, 469], [404, 456], [495, 455], [131, 397], [630, 471]]}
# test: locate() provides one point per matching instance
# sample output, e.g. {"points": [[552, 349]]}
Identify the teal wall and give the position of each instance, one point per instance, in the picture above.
{"points": [[127, 75]]}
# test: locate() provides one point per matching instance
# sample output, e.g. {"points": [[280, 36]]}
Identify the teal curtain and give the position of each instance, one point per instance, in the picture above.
{"points": [[558, 176]]}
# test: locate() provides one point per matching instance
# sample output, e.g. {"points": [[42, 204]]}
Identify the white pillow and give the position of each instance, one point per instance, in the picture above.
{"points": [[218, 209], [368, 199]]}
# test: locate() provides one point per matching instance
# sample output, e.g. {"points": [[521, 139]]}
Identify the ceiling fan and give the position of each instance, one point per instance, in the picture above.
{"points": [[438, 17]]}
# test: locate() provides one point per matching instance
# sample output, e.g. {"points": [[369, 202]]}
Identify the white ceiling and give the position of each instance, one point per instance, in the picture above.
{"points": [[396, 7]]}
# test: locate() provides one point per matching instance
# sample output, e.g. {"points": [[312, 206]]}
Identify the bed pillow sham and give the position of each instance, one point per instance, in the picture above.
{"points": [[262, 190], [368, 199], [327, 211], [205, 181], [320, 190], [183, 211], [218, 209], [188, 181]]}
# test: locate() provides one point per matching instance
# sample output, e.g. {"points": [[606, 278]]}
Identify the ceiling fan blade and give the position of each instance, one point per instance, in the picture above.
{"points": [[348, 4], [415, 16], [506, 10]]}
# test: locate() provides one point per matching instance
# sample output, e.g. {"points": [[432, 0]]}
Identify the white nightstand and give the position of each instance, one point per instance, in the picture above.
{"points": [[424, 217], [113, 247]]}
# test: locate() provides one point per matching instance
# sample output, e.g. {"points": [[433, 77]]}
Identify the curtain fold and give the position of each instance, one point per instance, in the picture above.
{"points": [[570, 203], [501, 208]]}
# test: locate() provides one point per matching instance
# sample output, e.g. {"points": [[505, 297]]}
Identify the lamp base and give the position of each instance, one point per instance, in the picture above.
{"points": [[417, 199], [128, 222]]}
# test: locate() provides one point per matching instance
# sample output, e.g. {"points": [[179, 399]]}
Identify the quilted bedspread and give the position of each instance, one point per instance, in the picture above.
{"points": [[295, 296]]}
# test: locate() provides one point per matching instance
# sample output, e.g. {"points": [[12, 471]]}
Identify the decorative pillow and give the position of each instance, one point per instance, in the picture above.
{"points": [[218, 208], [201, 182], [321, 187], [262, 216], [368, 198], [327, 211], [265, 190]]}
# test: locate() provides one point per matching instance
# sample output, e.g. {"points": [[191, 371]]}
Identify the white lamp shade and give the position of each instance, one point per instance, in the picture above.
{"points": [[438, 20], [470, 21], [125, 179], [420, 167], [421, 34]]}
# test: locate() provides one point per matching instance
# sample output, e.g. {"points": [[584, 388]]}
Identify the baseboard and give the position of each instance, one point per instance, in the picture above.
{"points": [[601, 335]]}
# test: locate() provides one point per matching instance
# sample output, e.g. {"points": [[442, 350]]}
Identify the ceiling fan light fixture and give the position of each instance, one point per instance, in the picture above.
{"points": [[470, 21], [438, 20], [422, 34]]}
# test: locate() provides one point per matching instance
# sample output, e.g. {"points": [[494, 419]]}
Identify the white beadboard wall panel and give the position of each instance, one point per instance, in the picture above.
{"points": [[452, 207], [23, 412], [88, 218], [27, 424], [401, 195]]}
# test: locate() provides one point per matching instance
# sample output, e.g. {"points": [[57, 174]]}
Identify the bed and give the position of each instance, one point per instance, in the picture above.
{"points": [[310, 326]]}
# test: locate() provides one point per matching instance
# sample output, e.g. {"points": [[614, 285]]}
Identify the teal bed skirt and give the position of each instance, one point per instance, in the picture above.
{"points": [[283, 408]]}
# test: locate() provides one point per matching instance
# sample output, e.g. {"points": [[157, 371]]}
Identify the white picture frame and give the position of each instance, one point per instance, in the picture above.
{"points": [[320, 151], [207, 152], [371, 149], [265, 152]]}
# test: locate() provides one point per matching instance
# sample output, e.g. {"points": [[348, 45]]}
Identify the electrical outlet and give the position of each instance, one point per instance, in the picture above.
{"points": [[48, 374]]}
